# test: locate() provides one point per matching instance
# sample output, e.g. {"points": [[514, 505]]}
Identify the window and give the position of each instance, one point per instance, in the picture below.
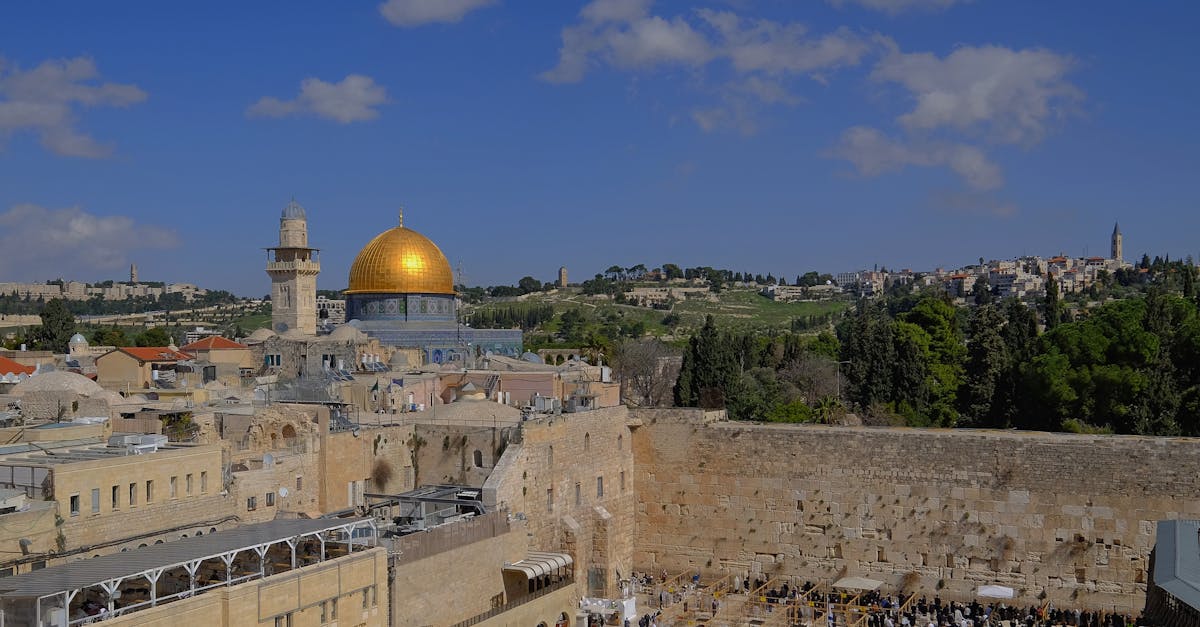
{"points": [[324, 612], [622, 480], [116, 497], [95, 500], [366, 599], [578, 495], [621, 442], [187, 484], [74, 504], [299, 482], [173, 484], [274, 359], [132, 494], [333, 609], [203, 481], [587, 442], [478, 455], [599, 487], [252, 503], [149, 490], [374, 598], [270, 499], [549, 499]]}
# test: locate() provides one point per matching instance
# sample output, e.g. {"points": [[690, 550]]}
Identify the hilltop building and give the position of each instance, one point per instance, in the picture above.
{"points": [[562, 276]]}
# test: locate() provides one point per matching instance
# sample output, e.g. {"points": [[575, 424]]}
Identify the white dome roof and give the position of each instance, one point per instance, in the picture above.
{"points": [[261, 335], [346, 333], [77, 339], [58, 381]]}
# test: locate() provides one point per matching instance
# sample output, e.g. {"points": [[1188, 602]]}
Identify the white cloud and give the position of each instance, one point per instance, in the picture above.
{"points": [[624, 34], [45, 101], [409, 13], [974, 96], [898, 6], [1004, 95], [873, 153], [354, 99], [773, 47], [71, 241]]}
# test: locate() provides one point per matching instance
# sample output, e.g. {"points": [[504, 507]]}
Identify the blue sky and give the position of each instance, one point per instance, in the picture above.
{"points": [[764, 135]]}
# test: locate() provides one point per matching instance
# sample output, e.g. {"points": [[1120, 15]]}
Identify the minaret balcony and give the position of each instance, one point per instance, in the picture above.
{"points": [[299, 266]]}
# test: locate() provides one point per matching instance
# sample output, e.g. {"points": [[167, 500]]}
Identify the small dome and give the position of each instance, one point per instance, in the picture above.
{"points": [[293, 211], [261, 335], [77, 339], [346, 333]]}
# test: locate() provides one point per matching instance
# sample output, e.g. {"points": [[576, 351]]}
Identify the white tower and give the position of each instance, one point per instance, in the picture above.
{"points": [[293, 268]]}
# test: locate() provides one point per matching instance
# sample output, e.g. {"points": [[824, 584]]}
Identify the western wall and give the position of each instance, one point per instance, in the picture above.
{"points": [[1060, 518]]}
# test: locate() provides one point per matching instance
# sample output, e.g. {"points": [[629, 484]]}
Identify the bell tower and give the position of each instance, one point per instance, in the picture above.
{"points": [[293, 268], [1117, 245]]}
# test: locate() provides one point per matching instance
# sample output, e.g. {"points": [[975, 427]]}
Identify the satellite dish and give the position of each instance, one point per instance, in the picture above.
{"points": [[283, 492]]}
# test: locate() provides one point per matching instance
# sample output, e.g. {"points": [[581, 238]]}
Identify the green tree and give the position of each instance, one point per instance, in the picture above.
{"points": [[112, 336], [709, 370], [986, 367], [154, 336], [1051, 307], [58, 325], [981, 291], [867, 343]]}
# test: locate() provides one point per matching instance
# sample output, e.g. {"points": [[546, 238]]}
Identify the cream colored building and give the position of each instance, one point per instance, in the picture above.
{"points": [[221, 359], [285, 572], [140, 367], [131, 490]]}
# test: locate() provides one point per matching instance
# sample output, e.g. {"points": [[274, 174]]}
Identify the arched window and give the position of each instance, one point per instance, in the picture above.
{"points": [[478, 458], [620, 441], [587, 442]]}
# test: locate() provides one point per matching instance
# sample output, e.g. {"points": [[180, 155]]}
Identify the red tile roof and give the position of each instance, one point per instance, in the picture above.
{"points": [[154, 353], [7, 365], [212, 342]]}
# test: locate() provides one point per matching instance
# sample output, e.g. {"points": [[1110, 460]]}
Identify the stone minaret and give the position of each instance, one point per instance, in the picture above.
{"points": [[1118, 250], [293, 268], [133, 273]]}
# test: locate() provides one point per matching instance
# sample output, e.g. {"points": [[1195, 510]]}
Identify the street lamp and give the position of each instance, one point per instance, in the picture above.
{"points": [[839, 378]]}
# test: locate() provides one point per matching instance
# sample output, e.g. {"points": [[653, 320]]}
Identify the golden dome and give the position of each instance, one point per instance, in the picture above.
{"points": [[401, 261]]}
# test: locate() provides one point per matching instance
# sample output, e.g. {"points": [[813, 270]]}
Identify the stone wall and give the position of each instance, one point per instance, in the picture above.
{"points": [[455, 585], [1068, 518], [551, 475], [448, 452]]}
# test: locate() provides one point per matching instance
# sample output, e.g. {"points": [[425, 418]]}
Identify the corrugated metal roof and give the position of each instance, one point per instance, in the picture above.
{"points": [[91, 572], [1177, 559]]}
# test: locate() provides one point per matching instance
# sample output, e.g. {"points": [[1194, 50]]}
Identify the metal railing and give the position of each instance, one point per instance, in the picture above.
{"points": [[500, 609]]}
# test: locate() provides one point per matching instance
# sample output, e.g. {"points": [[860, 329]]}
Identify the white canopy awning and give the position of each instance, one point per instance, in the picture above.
{"points": [[857, 583], [538, 564], [995, 592]]}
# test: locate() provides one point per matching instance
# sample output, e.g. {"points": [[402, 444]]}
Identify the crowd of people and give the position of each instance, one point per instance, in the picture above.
{"points": [[808, 605]]}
